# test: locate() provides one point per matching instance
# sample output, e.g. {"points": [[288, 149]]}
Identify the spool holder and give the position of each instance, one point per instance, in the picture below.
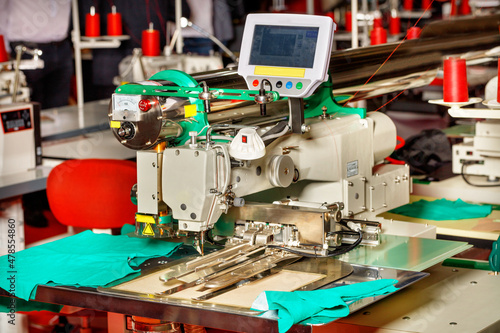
{"points": [[456, 108]]}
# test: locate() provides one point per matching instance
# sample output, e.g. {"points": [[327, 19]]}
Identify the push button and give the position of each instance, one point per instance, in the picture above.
{"points": [[299, 85], [279, 84], [255, 83], [289, 85]]}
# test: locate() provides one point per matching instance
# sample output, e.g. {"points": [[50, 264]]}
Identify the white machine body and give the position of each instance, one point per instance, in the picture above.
{"points": [[480, 155], [20, 143]]}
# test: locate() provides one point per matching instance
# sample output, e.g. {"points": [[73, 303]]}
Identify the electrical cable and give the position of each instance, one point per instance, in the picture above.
{"points": [[339, 250], [462, 173]]}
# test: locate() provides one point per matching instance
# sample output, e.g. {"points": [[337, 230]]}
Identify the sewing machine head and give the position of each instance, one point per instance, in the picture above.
{"points": [[309, 162]]}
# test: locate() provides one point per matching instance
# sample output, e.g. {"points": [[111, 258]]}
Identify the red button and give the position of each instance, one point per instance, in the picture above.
{"points": [[255, 83], [144, 105], [244, 139]]}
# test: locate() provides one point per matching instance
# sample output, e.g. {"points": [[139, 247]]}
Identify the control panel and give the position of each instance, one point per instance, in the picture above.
{"points": [[290, 52]]}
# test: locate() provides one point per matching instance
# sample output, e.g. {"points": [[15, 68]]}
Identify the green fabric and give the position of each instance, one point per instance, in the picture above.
{"points": [[443, 209], [127, 228], [85, 259], [319, 306], [12, 305]]}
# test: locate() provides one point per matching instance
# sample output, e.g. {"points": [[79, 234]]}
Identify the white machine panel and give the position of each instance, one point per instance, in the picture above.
{"points": [[20, 142]]}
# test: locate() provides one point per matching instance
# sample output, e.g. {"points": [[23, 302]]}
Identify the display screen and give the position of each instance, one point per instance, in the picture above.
{"points": [[17, 120], [284, 46]]}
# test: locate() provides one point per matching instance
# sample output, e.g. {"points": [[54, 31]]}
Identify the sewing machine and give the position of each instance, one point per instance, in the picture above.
{"points": [[20, 140], [304, 154]]}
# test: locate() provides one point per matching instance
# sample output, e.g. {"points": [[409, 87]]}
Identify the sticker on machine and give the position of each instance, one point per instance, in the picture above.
{"points": [[352, 168]]}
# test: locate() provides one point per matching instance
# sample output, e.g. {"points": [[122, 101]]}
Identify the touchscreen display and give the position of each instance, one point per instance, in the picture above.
{"points": [[284, 46]]}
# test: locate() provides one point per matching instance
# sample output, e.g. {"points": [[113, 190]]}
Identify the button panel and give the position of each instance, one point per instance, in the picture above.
{"points": [[286, 87]]}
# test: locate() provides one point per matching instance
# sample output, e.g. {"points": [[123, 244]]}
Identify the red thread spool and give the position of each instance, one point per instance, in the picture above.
{"points": [[92, 24], [455, 81], [498, 83], [378, 36], [151, 42], [454, 10], [348, 21], [408, 4], [114, 23], [3, 52], [377, 22], [413, 33], [394, 25], [465, 8]]}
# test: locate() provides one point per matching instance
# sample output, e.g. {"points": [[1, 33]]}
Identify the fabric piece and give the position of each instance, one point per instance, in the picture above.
{"points": [[319, 306], [85, 259], [127, 228], [443, 209], [12, 305]]}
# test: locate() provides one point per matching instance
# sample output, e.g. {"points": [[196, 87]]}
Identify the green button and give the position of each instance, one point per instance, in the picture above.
{"points": [[299, 85]]}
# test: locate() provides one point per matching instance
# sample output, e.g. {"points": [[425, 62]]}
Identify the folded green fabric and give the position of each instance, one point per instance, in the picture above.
{"points": [[443, 209], [319, 306], [85, 259], [13, 305]]}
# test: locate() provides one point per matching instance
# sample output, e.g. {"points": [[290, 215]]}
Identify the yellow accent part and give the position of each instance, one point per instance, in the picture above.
{"points": [[144, 218], [189, 110], [148, 231], [280, 71], [114, 124]]}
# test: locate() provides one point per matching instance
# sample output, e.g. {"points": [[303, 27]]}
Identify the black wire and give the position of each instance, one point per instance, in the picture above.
{"points": [[329, 254], [464, 164]]}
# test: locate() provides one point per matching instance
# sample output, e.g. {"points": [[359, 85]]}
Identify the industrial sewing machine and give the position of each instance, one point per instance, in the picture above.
{"points": [[268, 159], [296, 177], [198, 165]]}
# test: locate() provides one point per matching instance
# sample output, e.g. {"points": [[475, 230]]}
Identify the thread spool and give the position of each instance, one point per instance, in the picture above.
{"points": [[454, 9], [3, 52], [92, 24], [378, 36], [455, 88], [408, 4], [413, 33], [498, 82], [348, 21], [425, 4], [464, 7], [394, 25], [114, 23], [377, 19], [331, 15], [151, 42]]}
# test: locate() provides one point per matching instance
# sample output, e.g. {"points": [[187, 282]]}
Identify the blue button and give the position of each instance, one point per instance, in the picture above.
{"points": [[289, 85]]}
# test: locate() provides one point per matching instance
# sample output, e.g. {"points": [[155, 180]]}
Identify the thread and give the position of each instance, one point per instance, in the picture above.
{"points": [[3, 52], [413, 33], [408, 4], [394, 25], [455, 88], [378, 36], [114, 23], [377, 22], [348, 21], [498, 82], [151, 42], [92, 24]]}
